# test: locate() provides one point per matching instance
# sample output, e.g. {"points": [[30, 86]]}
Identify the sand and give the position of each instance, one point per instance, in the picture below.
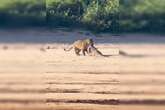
{"points": [[35, 78]]}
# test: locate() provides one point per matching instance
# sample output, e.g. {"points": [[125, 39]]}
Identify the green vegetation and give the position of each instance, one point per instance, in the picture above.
{"points": [[22, 12], [96, 15], [142, 15]]}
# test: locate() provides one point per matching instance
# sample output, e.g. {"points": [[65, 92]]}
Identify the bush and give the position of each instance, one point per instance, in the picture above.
{"points": [[100, 15], [96, 15], [64, 13]]}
